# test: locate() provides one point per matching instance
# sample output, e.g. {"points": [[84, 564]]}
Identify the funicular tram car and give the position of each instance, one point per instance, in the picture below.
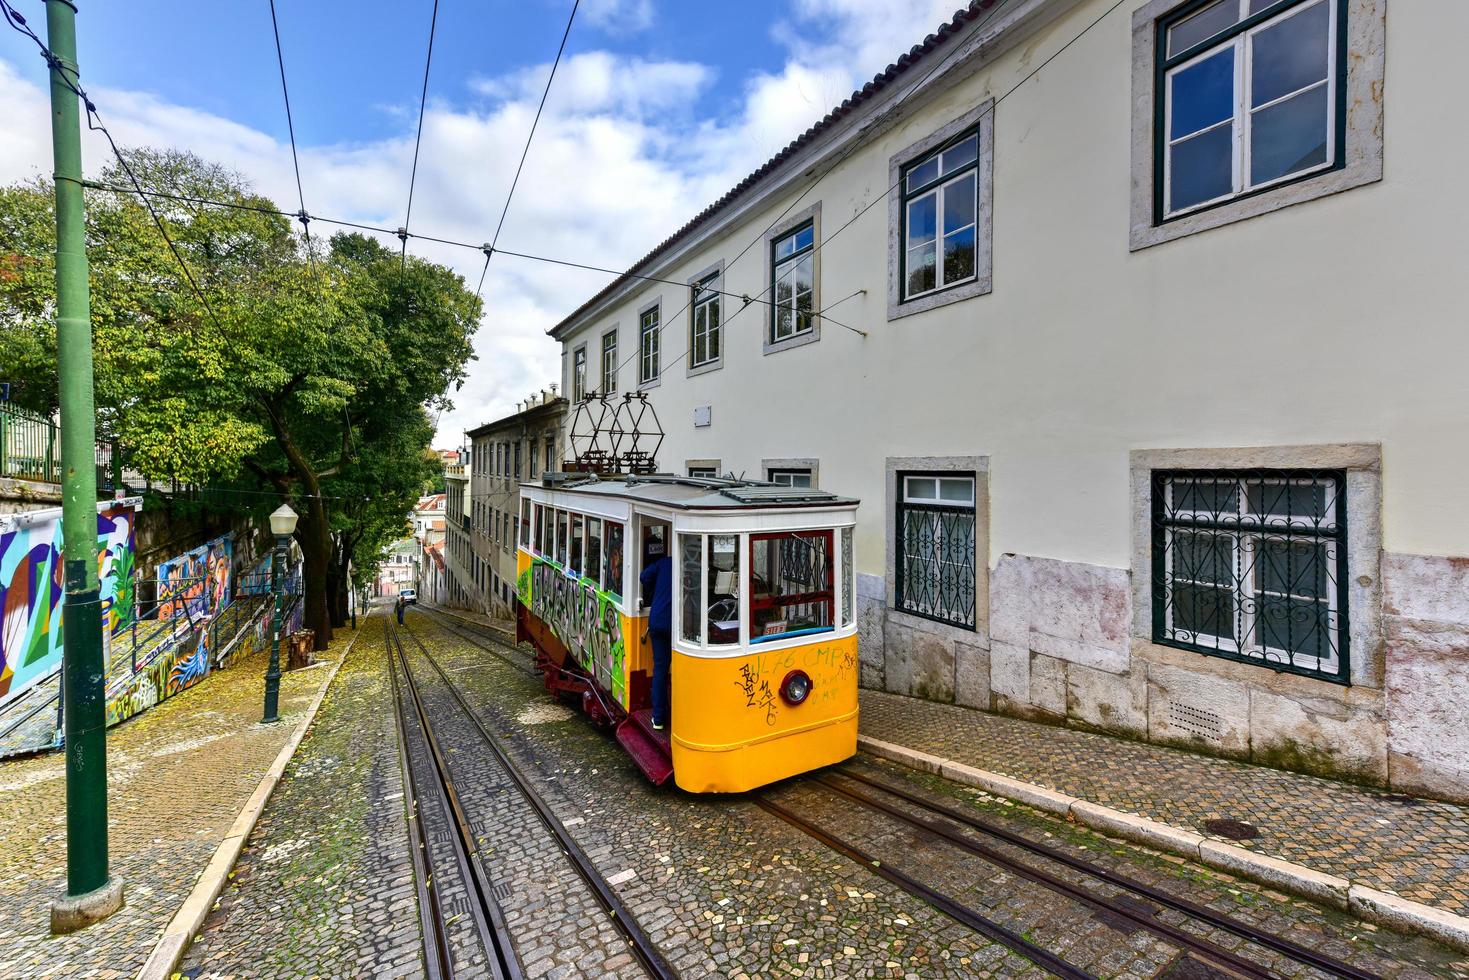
{"points": [[764, 674]]}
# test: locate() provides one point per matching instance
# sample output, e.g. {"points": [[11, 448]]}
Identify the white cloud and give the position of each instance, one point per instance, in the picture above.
{"points": [[620, 160], [618, 16]]}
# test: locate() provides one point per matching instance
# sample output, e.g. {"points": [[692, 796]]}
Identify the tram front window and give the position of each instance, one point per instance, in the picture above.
{"points": [[790, 584], [723, 610]]}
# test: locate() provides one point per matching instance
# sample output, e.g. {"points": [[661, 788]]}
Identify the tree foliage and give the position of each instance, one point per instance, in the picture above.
{"points": [[306, 372]]}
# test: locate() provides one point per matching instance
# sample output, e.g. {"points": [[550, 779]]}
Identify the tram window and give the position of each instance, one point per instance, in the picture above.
{"points": [[612, 579], [525, 523], [576, 539], [723, 609], [561, 519], [849, 579], [539, 514], [691, 574], [543, 524], [790, 584], [593, 568]]}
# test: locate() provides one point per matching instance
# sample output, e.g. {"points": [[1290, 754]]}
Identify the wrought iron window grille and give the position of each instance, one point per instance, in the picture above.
{"points": [[935, 559], [1251, 566]]}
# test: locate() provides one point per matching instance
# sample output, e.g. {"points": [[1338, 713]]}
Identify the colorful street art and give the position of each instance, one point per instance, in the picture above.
{"points": [[31, 588], [196, 584], [179, 667], [581, 616]]}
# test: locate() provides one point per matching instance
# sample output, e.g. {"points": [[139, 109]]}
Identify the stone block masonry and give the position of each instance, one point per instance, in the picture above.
{"points": [[1064, 645]]}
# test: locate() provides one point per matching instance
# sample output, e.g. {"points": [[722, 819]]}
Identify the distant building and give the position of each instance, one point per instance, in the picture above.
{"points": [[458, 552], [504, 453], [399, 570]]}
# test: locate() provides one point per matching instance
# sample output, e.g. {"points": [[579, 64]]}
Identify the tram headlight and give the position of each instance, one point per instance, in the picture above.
{"points": [[796, 687]]}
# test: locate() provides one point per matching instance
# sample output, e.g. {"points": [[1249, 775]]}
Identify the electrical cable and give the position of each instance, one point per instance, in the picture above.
{"points": [[418, 140], [532, 135], [301, 215]]}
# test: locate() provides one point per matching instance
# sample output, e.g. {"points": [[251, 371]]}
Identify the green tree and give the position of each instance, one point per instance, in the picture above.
{"points": [[310, 374]]}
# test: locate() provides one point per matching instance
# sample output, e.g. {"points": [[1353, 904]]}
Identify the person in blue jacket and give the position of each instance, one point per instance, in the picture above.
{"points": [[657, 579]]}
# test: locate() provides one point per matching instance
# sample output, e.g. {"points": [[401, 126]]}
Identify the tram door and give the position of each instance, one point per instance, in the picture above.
{"points": [[656, 541]]}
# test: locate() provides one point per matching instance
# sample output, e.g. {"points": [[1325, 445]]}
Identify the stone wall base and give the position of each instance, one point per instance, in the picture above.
{"points": [[1061, 649]]}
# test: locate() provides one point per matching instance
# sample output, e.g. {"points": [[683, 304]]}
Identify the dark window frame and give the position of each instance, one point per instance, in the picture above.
{"points": [[1163, 63], [902, 507], [1162, 524], [905, 195]]}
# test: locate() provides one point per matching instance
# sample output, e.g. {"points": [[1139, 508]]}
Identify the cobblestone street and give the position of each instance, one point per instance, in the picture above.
{"points": [[724, 887], [178, 776]]}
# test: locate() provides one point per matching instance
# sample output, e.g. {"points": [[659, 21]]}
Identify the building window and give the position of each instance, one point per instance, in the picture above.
{"points": [[550, 452], [936, 546], [790, 477], [609, 362], [517, 473], [1250, 565], [1250, 98], [648, 346], [579, 373], [940, 208], [793, 259], [704, 344], [703, 472]]}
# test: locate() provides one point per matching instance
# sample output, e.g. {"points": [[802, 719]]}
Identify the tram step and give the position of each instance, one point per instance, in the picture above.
{"points": [[648, 747]]}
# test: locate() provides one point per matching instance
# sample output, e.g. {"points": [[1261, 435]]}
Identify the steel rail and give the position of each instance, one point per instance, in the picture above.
{"points": [[1184, 940], [642, 947], [430, 916], [1244, 930], [944, 903], [488, 918]]}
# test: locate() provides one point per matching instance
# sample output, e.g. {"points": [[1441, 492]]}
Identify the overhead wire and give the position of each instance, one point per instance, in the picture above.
{"points": [[94, 122], [418, 140], [301, 216], [529, 137]]}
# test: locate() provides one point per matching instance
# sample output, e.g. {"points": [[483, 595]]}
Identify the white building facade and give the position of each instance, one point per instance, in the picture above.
{"points": [[1140, 335]]}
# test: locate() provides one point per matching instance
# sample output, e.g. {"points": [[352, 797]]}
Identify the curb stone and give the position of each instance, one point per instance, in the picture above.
{"points": [[170, 948], [1340, 893]]}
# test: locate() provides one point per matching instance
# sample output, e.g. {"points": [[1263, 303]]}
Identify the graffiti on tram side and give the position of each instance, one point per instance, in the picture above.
{"points": [[581, 616], [830, 667]]}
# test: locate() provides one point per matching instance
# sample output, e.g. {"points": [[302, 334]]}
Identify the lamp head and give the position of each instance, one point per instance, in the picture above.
{"points": [[283, 521]]}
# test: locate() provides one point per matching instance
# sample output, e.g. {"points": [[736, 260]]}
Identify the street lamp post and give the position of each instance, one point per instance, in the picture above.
{"points": [[282, 525]]}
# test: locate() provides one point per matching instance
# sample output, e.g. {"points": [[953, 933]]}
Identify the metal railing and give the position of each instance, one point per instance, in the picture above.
{"points": [[30, 449]]}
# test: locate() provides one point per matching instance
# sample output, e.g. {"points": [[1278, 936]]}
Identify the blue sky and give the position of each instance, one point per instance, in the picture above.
{"points": [[659, 106]]}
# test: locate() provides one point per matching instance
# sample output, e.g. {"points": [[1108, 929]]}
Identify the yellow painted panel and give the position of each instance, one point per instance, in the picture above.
{"points": [[731, 730]]}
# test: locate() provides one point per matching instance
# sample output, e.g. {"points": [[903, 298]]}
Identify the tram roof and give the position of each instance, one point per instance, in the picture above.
{"points": [[698, 493]]}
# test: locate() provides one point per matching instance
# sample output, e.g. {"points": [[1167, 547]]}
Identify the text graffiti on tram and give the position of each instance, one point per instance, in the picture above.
{"points": [[581, 617]]}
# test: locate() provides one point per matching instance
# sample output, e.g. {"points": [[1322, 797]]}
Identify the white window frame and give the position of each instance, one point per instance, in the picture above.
{"points": [[650, 332], [609, 362], [789, 264], [775, 474], [1242, 119], [579, 373], [704, 305]]}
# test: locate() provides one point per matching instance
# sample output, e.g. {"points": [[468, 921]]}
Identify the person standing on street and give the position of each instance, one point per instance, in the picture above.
{"points": [[399, 606], [657, 581]]}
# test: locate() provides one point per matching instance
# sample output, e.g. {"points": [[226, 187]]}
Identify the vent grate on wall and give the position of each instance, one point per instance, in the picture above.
{"points": [[1194, 720]]}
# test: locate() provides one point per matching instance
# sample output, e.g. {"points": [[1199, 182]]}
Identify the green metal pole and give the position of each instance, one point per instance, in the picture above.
{"points": [[91, 893], [273, 669]]}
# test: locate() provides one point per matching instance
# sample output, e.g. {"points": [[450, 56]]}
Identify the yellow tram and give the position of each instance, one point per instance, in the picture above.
{"points": [[764, 671]]}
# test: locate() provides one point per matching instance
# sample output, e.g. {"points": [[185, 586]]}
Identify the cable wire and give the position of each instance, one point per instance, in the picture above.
{"points": [[418, 140], [301, 215], [532, 135]]}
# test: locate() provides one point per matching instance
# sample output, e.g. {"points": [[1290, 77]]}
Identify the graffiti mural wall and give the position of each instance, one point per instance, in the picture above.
{"points": [[31, 588], [197, 583]]}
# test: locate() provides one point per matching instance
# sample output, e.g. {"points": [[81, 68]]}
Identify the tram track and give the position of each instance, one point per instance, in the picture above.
{"points": [[642, 948], [1129, 905], [437, 792]]}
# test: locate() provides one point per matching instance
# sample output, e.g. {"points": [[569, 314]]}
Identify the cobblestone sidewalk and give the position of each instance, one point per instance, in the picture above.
{"points": [[324, 886], [1416, 848], [177, 778]]}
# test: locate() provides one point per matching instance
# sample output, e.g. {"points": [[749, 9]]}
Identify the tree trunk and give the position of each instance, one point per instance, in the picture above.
{"points": [[316, 553]]}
